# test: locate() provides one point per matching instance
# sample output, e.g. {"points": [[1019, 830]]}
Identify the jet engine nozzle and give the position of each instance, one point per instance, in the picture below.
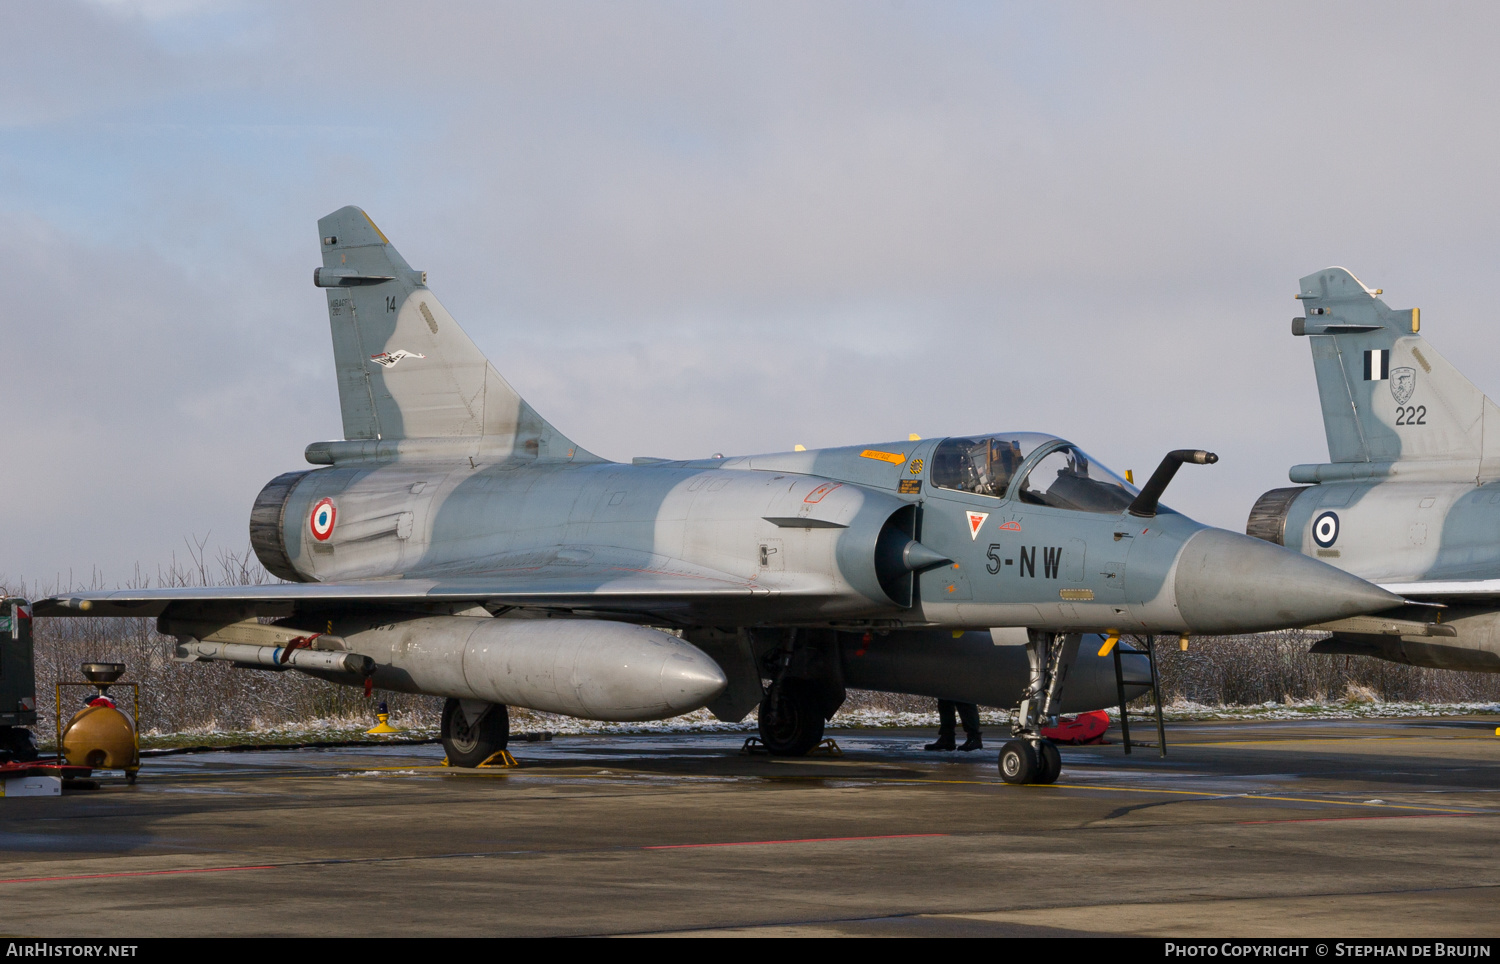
{"points": [[1229, 583]]}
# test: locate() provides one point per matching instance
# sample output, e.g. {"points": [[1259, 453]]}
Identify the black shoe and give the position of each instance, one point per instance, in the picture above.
{"points": [[972, 743], [943, 743]]}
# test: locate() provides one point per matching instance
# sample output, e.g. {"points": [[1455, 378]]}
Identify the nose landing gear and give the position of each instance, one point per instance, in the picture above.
{"points": [[1029, 758], [1025, 762]]}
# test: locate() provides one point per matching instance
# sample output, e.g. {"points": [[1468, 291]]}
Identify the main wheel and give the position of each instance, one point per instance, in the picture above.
{"points": [[1018, 762], [1049, 762], [470, 745], [798, 725], [17, 743]]}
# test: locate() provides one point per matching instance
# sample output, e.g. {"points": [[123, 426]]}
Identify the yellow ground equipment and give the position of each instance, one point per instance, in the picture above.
{"points": [[384, 726], [99, 735]]}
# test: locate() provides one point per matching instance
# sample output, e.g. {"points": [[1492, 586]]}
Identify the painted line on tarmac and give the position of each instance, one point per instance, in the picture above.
{"points": [[1261, 796], [772, 843], [137, 873], [1339, 739], [907, 781], [1207, 794], [1379, 816]]}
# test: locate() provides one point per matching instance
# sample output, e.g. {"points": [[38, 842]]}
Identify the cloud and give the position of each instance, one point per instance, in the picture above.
{"points": [[687, 228]]}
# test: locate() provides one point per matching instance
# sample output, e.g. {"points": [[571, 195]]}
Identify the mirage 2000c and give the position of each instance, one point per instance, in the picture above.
{"points": [[454, 543]]}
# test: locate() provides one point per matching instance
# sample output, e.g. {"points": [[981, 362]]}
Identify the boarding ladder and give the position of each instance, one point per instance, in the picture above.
{"points": [[1155, 683]]}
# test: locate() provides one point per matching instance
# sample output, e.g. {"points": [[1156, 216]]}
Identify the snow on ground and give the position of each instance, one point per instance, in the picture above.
{"points": [[701, 721], [1185, 710]]}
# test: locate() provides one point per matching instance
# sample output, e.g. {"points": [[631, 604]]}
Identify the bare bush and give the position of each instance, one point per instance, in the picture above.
{"points": [[178, 697], [1276, 667]]}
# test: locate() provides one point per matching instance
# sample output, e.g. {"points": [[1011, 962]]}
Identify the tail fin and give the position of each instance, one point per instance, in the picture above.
{"points": [[1387, 396], [405, 368]]}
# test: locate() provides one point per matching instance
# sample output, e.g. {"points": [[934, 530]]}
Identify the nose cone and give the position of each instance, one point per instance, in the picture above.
{"points": [[690, 679], [1229, 583]]}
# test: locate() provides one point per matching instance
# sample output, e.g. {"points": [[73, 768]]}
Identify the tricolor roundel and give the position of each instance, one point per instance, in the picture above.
{"points": [[321, 521]]}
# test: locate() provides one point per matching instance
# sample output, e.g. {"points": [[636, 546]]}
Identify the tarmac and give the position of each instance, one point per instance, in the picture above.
{"points": [[1359, 829]]}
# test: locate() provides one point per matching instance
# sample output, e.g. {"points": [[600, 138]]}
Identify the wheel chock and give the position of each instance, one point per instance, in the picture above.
{"points": [[754, 745], [500, 759]]}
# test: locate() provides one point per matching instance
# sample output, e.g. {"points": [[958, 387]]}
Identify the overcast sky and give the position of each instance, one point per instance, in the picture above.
{"points": [[690, 228]]}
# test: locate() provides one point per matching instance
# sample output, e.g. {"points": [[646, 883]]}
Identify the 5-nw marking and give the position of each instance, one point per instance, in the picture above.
{"points": [[1051, 561]]}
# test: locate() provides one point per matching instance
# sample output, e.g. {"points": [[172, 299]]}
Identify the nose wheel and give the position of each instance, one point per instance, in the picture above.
{"points": [[1022, 761], [1029, 758]]}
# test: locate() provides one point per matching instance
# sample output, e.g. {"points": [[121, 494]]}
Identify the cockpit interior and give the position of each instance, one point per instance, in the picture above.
{"points": [[1032, 468]]}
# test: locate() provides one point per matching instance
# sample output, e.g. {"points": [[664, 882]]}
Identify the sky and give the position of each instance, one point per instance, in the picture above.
{"points": [[688, 228]]}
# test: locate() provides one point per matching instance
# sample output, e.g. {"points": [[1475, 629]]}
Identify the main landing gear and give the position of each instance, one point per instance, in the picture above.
{"points": [[1029, 758], [473, 734], [806, 689], [791, 719]]}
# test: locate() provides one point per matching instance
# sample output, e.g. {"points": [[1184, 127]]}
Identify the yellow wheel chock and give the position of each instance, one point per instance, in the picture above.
{"points": [[500, 759], [828, 747]]}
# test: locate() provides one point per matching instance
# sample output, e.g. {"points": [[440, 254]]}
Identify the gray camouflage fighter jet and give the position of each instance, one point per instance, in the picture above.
{"points": [[1410, 495], [968, 568]]}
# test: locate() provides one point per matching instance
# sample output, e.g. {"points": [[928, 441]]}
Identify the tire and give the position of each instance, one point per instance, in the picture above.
{"points": [[469, 746], [1018, 762], [1049, 762], [17, 743], [799, 720]]}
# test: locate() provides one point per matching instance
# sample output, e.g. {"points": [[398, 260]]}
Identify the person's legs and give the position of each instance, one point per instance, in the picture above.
{"points": [[969, 713], [945, 739]]}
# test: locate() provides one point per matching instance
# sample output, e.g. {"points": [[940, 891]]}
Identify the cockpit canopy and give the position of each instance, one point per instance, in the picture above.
{"points": [[1033, 468]]}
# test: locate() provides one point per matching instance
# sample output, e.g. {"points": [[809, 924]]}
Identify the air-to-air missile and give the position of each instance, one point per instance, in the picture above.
{"points": [[1410, 495], [463, 547]]}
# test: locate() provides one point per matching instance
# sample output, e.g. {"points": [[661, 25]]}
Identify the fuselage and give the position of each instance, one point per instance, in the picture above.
{"points": [[1393, 531], [1044, 542], [1425, 539]]}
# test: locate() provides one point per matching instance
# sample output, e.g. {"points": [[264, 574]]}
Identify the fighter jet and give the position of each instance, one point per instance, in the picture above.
{"points": [[1410, 495], [455, 543]]}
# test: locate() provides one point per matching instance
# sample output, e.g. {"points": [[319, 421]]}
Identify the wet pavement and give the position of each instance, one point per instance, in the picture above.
{"points": [[1360, 828]]}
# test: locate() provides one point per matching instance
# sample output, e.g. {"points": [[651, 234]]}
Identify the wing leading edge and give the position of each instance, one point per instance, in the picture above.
{"points": [[601, 587], [1439, 590]]}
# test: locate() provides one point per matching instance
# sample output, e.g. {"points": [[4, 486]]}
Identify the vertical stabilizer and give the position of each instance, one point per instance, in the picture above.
{"points": [[1387, 396], [405, 368]]}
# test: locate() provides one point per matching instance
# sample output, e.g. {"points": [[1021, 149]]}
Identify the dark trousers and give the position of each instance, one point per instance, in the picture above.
{"points": [[967, 712]]}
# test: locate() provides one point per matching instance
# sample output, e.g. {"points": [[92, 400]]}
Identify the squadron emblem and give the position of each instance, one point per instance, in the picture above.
{"points": [[1403, 383], [388, 359]]}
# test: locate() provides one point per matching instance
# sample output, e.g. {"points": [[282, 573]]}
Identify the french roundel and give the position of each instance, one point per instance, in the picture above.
{"points": [[1326, 529], [322, 519]]}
